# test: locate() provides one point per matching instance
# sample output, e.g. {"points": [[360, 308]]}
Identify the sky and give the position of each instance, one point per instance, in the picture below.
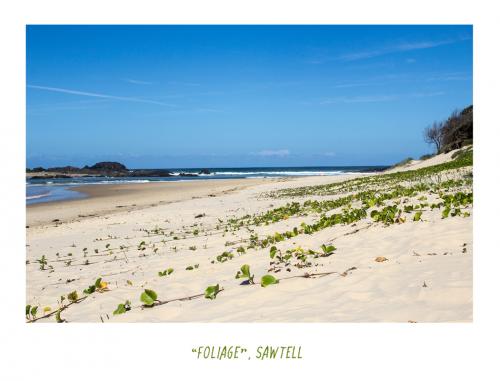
{"points": [[240, 96]]}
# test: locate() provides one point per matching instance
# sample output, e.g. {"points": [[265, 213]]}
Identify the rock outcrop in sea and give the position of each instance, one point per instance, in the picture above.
{"points": [[101, 169]]}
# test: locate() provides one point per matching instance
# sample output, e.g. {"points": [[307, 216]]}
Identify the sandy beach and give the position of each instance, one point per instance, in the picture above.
{"points": [[416, 269]]}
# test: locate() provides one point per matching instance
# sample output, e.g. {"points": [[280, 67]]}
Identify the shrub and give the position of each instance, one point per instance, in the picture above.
{"points": [[403, 162], [426, 156]]}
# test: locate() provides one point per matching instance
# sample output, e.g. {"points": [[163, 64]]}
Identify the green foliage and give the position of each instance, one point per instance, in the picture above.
{"points": [[454, 202], [98, 285], [224, 257], [43, 262], [31, 311], [388, 215], [417, 216], [328, 250], [244, 272], [58, 317], [403, 162], [73, 296], [268, 280], [212, 291], [166, 272], [273, 251], [426, 156], [122, 308], [148, 297]]}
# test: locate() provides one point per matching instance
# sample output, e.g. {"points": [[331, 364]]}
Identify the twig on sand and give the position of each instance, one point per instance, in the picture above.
{"points": [[60, 309], [160, 302], [319, 275]]}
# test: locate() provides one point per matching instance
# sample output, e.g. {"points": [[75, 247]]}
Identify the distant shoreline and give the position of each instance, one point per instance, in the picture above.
{"points": [[49, 187]]}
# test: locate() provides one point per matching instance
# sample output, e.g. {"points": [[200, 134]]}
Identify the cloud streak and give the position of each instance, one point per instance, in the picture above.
{"points": [[98, 95], [389, 49], [137, 82], [379, 97], [401, 47]]}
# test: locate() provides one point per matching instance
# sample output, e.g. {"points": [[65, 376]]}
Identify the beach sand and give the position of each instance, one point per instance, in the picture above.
{"points": [[426, 277]]}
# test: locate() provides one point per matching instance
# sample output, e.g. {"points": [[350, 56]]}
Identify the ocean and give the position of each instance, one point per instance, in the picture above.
{"points": [[45, 190]]}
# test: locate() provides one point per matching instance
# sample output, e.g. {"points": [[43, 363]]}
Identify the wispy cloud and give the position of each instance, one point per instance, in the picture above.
{"points": [[40, 109], [276, 153], [400, 47], [427, 94], [360, 99], [382, 80], [459, 76], [137, 82], [98, 95], [383, 50], [379, 97]]}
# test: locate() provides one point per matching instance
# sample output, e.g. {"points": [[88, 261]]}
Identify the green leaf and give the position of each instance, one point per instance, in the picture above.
{"points": [[212, 291], [58, 317], [245, 271], [122, 308], [267, 280], [34, 310], [446, 212], [417, 216], [28, 308], [148, 297], [273, 251], [328, 249], [89, 290], [97, 283]]}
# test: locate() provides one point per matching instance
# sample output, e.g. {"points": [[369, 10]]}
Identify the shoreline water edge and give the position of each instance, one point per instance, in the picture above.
{"points": [[42, 189]]}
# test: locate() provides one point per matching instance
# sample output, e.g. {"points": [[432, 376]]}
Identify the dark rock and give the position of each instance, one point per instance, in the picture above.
{"points": [[185, 174], [67, 169], [104, 168], [149, 173], [109, 166], [204, 171], [36, 169]]}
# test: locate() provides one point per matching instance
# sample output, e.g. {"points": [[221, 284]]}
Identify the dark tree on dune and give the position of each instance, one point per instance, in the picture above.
{"points": [[434, 135], [455, 132]]}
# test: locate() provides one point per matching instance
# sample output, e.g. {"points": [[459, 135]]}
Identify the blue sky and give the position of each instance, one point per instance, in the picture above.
{"points": [[210, 96]]}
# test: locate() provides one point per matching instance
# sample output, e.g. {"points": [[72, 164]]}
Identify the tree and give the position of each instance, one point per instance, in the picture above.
{"points": [[434, 135], [457, 130]]}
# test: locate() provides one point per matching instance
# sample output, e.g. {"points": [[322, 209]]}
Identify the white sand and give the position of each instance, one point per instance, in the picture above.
{"points": [[429, 251]]}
